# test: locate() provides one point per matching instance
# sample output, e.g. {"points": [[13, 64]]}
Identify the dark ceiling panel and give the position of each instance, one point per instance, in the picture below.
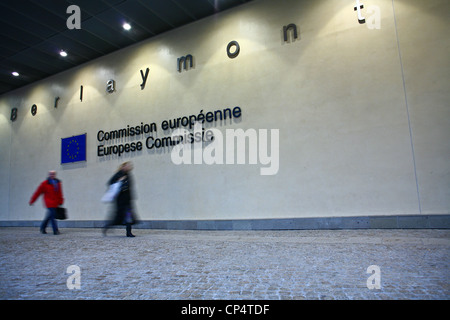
{"points": [[36, 13], [56, 7], [20, 64], [9, 46], [104, 32], [94, 7], [168, 12], [33, 32], [223, 4], [39, 60], [91, 41], [72, 47], [143, 18], [197, 9], [4, 87], [114, 20], [21, 35]]}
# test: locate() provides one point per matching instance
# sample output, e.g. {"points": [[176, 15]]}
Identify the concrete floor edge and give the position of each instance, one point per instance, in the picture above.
{"points": [[437, 221]]}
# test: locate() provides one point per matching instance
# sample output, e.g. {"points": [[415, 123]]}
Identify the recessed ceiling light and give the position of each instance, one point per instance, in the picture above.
{"points": [[126, 26], [15, 74], [63, 53]]}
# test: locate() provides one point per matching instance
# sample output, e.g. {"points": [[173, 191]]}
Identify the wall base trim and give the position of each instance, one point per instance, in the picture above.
{"points": [[363, 222]]}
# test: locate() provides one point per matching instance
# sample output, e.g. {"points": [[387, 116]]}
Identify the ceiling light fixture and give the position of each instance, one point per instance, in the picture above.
{"points": [[15, 74], [62, 53], [126, 26]]}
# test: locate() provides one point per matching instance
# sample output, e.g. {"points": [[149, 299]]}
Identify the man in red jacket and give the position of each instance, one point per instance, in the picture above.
{"points": [[53, 198]]}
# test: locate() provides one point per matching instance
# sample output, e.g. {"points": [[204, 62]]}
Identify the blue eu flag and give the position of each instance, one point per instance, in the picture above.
{"points": [[73, 149]]}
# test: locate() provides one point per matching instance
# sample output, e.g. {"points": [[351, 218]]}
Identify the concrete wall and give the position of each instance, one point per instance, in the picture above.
{"points": [[363, 116]]}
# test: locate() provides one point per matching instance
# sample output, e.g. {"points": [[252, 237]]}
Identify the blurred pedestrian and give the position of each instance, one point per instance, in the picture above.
{"points": [[123, 213], [51, 189]]}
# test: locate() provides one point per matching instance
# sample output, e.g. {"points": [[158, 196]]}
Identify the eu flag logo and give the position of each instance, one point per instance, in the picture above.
{"points": [[73, 149]]}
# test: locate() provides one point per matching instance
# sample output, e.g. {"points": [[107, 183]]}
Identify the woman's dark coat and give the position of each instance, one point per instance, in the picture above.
{"points": [[123, 200]]}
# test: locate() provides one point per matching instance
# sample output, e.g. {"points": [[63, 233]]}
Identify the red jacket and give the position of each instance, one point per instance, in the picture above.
{"points": [[53, 196]]}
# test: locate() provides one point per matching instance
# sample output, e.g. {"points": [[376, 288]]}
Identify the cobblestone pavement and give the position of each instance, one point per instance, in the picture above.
{"points": [[230, 265]]}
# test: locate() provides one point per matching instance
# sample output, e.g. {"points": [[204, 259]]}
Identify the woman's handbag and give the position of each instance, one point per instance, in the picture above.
{"points": [[112, 192], [61, 213]]}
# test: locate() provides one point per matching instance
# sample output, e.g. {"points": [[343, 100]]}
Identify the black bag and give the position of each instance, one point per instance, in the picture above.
{"points": [[61, 213]]}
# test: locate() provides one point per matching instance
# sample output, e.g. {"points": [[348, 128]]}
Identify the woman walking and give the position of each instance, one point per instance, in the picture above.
{"points": [[123, 213]]}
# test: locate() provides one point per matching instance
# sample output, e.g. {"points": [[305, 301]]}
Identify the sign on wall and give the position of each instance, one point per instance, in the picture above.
{"points": [[73, 149]]}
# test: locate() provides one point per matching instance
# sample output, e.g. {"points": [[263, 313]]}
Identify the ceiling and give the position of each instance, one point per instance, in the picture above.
{"points": [[33, 32]]}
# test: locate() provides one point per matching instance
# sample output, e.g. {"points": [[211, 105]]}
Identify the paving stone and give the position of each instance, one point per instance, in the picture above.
{"points": [[230, 265]]}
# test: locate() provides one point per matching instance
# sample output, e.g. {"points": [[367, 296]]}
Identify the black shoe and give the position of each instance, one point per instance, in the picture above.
{"points": [[129, 234], [56, 233], [43, 231]]}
